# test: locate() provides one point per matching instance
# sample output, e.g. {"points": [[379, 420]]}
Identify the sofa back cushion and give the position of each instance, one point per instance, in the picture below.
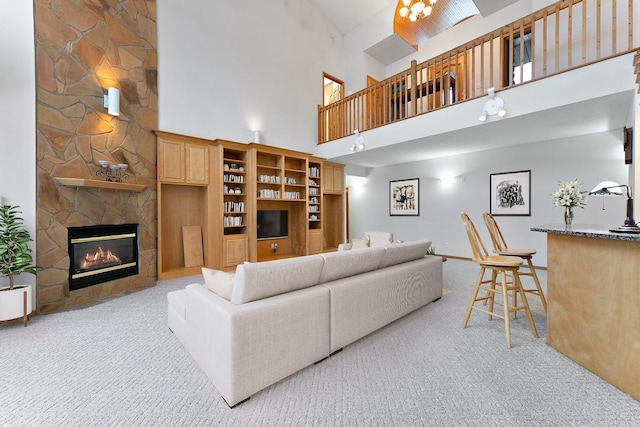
{"points": [[404, 252], [219, 282], [378, 238], [258, 280], [349, 263]]}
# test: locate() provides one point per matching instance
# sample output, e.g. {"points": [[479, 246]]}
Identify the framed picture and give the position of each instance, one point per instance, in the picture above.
{"points": [[404, 197], [510, 193]]}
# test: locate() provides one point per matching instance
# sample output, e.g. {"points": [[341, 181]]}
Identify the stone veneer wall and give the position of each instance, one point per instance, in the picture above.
{"points": [[82, 48]]}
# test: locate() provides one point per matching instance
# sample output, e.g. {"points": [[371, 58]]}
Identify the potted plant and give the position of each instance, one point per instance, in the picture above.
{"points": [[15, 258]]}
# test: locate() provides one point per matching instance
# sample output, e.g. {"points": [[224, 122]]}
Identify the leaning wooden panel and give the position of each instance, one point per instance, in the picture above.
{"points": [[192, 245], [593, 297]]}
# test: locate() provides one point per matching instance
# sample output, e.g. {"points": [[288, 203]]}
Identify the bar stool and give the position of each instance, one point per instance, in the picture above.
{"points": [[500, 247], [499, 265]]}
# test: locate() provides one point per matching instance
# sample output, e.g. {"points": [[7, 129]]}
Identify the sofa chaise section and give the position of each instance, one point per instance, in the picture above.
{"points": [[244, 348]]}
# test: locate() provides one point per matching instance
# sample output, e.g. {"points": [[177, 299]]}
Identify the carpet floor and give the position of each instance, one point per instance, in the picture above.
{"points": [[115, 363]]}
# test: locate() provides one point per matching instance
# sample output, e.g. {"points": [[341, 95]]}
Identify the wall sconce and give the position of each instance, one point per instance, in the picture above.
{"points": [[359, 144], [256, 136], [448, 179], [603, 189], [493, 106], [112, 101]]}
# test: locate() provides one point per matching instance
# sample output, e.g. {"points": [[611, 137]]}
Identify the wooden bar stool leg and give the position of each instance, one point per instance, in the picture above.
{"points": [[518, 284], [537, 282], [515, 296], [492, 295], [505, 306], [473, 297]]}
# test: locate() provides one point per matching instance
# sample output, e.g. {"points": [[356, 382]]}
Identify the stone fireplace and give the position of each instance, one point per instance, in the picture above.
{"points": [[82, 48]]}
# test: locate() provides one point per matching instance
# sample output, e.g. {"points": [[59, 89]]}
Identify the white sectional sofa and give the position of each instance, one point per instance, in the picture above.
{"points": [[285, 315]]}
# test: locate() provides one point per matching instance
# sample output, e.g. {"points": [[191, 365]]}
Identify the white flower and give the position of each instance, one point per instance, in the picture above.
{"points": [[569, 194]]}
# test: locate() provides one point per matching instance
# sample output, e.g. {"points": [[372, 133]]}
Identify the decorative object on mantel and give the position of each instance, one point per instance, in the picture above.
{"points": [[15, 258], [113, 172], [604, 189], [569, 195]]}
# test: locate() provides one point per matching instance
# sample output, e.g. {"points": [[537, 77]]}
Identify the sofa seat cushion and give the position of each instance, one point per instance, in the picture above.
{"points": [[258, 280], [219, 282], [404, 252], [349, 263]]}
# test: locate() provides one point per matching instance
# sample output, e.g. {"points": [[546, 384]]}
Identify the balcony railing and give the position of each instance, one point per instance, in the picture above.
{"points": [[562, 37]]}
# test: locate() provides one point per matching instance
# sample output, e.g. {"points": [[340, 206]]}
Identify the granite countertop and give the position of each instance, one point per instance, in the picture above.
{"points": [[586, 230]]}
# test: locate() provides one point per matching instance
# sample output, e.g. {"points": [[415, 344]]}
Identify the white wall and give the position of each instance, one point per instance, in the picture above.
{"points": [[17, 113], [223, 71], [599, 157]]}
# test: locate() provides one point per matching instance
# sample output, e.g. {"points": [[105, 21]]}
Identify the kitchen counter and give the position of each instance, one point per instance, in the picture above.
{"points": [[593, 300]]}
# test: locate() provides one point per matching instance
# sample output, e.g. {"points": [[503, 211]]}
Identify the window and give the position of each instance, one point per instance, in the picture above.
{"points": [[332, 89], [521, 54]]}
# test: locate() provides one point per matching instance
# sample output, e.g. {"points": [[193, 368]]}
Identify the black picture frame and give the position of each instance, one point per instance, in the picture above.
{"points": [[510, 193], [404, 197]]}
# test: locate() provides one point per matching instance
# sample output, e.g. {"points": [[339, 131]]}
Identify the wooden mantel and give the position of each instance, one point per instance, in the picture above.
{"points": [[94, 183]]}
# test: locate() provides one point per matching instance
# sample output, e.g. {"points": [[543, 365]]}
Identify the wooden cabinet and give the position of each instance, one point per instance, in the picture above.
{"points": [[197, 164], [315, 241], [235, 249], [333, 182], [181, 162], [332, 205], [219, 186], [171, 167], [184, 199]]}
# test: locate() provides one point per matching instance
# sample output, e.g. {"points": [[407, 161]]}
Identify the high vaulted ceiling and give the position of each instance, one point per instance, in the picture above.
{"points": [[347, 15]]}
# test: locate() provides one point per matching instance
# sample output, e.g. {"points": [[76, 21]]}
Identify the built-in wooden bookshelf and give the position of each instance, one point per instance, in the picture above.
{"points": [[314, 239], [220, 186], [235, 206]]}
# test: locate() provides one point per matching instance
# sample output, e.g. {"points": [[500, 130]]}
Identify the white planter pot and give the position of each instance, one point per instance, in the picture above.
{"points": [[12, 302]]}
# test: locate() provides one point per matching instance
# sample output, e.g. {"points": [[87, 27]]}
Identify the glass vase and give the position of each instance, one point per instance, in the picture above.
{"points": [[568, 215]]}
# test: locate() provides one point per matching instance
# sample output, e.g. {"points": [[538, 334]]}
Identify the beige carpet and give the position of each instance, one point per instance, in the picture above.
{"points": [[117, 364]]}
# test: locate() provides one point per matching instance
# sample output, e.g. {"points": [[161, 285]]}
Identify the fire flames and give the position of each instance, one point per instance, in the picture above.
{"points": [[99, 259]]}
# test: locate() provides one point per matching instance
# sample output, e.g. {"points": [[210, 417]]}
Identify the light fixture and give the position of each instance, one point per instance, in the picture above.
{"points": [[493, 106], [112, 101], [416, 9], [256, 136], [604, 189], [359, 144], [450, 179]]}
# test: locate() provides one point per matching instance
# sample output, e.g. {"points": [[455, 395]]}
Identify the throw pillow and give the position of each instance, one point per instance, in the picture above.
{"points": [[219, 282], [359, 243]]}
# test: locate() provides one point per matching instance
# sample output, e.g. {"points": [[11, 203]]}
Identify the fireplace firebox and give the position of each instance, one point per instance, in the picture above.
{"points": [[101, 253]]}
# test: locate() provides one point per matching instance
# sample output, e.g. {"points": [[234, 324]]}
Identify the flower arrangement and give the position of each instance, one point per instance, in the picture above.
{"points": [[569, 194]]}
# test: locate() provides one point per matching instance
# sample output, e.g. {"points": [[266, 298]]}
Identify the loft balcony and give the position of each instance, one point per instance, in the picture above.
{"points": [[574, 60]]}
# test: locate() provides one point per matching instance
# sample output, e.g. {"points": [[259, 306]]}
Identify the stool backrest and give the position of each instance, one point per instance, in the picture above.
{"points": [[499, 244], [477, 247]]}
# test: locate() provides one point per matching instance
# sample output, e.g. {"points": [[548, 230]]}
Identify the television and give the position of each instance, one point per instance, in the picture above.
{"points": [[273, 224]]}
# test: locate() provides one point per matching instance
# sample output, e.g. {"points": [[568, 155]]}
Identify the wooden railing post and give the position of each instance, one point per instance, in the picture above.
{"points": [[414, 88]]}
